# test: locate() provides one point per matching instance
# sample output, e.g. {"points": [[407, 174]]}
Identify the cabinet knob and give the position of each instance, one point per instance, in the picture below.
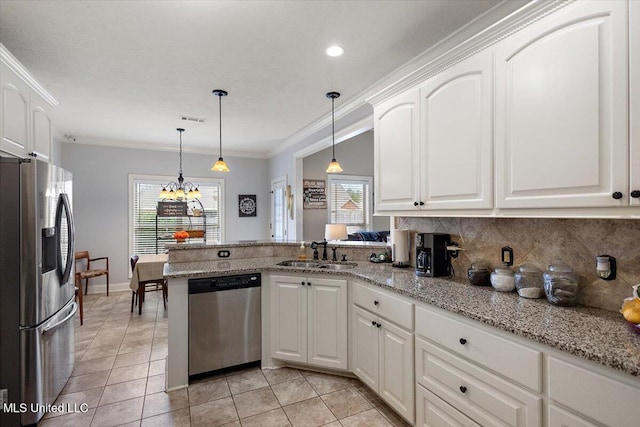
{"points": [[308, 283], [415, 203], [373, 323], [617, 195], [34, 155], [463, 389], [635, 194], [376, 302], [463, 341], [421, 203], [379, 325], [302, 283]]}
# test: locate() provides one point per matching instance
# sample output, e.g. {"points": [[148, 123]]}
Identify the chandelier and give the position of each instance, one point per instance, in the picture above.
{"points": [[180, 190]]}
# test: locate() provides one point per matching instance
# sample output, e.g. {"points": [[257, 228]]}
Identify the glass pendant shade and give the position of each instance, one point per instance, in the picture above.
{"points": [[334, 167], [164, 193], [220, 166], [180, 193]]}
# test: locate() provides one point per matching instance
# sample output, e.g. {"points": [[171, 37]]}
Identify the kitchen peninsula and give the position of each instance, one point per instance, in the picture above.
{"points": [[573, 341]]}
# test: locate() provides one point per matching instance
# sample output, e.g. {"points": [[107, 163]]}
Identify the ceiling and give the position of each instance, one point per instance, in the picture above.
{"points": [[124, 72]]}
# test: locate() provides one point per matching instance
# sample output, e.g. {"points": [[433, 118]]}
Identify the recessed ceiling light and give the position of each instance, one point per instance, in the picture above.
{"points": [[334, 51]]}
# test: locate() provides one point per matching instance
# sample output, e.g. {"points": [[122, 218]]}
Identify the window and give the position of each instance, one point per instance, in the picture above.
{"points": [[143, 200], [350, 199]]}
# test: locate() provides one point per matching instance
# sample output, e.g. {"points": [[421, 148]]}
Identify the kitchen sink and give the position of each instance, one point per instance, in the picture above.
{"points": [[324, 266]]}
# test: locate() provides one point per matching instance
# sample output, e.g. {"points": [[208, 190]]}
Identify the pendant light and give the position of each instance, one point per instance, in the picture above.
{"points": [[334, 166], [220, 165], [180, 190]]}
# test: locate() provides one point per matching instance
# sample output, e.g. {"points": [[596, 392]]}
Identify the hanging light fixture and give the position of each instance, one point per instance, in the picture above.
{"points": [[334, 166], [220, 165], [180, 190]]}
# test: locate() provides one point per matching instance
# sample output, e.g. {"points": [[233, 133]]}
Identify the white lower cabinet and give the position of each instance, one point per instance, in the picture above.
{"points": [[382, 353], [308, 320], [431, 411], [558, 417]]}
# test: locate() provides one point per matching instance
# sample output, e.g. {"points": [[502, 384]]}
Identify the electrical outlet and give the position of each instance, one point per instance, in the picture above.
{"points": [[4, 396]]}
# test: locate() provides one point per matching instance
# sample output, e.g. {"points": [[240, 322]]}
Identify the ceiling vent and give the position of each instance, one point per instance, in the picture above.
{"points": [[192, 119]]}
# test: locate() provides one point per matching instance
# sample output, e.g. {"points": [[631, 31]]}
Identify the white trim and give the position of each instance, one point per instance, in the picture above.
{"points": [[342, 135], [166, 178], [22, 72], [276, 183]]}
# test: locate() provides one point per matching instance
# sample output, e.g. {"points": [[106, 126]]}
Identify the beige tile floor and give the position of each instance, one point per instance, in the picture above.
{"points": [[119, 374]]}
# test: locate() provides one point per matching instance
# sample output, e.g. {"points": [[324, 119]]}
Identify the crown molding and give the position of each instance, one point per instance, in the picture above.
{"points": [[135, 145], [12, 62], [434, 62], [348, 132]]}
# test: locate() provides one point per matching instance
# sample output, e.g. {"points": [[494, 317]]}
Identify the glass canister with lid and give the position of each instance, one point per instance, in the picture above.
{"points": [[502, 279], [529, 281], [478, 274], [561, 284]]}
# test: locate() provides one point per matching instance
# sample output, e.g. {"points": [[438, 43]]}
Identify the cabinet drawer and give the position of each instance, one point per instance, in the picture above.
{"points": [[433, 411], [561, 418], [479, 394], [384, 305], [598, 397], [516, 362]]}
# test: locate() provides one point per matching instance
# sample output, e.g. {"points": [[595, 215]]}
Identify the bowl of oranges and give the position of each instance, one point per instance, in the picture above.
{"points": [[631, 310]]}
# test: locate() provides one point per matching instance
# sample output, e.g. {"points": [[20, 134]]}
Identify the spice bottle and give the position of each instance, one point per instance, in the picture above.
{"points": [[561, 284], [478, 274]]}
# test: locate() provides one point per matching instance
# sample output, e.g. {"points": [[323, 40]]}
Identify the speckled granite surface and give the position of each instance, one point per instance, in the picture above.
{"points": [[594, 334]]}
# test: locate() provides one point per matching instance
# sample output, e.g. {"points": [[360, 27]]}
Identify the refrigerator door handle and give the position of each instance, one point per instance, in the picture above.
{"points": [[64, 208], [74, 309]]}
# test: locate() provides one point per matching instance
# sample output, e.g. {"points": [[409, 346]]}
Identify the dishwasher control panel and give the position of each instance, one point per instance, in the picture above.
{"points": [[222, 283]]}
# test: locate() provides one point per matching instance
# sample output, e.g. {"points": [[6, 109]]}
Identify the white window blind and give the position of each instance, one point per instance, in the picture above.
{"points": [[350, 199], [147, 238]]}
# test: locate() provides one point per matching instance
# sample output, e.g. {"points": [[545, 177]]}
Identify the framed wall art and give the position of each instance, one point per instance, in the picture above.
{"points": [[247, 205]]}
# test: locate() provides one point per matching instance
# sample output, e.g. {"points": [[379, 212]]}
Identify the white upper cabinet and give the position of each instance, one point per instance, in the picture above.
{"points": [[15, 113], [457, 135], [397, 152], [25, 113], [561, 110], [634, 101]]}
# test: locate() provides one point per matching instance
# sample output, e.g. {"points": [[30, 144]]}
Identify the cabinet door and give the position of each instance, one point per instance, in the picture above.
{"points": [[396, 368], [364, 347], [634, 100], [457, 135], [561, 110], [41, 128], [288, 318], [397, 152], [327, 303], [14, 96], [431, 411]]}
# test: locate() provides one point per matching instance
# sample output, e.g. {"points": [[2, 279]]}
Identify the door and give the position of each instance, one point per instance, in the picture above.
{"points": [[327, 329], [14, 119], [396, 366], [364, 347], [279, 209], [397, 153], [561, 110], [288, 318], [457, 135]]}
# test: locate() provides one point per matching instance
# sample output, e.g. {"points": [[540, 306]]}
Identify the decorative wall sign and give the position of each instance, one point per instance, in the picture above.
{"points": [[314, 195], [172, 209], [247, 205]]}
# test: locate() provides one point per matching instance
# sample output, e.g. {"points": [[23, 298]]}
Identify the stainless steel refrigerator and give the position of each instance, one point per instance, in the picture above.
{"points": [[37, 289]]}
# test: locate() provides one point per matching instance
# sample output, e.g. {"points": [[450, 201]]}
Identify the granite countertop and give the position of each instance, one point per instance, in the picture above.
{"points": [[594, 334]]}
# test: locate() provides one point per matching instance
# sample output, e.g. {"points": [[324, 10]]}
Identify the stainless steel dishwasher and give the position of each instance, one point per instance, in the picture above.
{"points": [[224, 322]]}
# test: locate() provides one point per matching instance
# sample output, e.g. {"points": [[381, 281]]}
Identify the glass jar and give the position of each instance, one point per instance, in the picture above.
{"points": [[478, 274], [529, 281], [502, 279], [561, 284]]}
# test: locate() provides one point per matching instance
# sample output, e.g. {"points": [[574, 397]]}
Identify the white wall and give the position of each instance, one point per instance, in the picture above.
{"points": [[355, 155], [100, 197]]}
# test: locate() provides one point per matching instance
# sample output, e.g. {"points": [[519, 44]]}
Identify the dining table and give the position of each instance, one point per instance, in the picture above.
{"points": [[148, 269]]}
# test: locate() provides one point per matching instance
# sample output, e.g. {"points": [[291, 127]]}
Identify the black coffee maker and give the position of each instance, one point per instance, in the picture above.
{"points": [[432, 258]]}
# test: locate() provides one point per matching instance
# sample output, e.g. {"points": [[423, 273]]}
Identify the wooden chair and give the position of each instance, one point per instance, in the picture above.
{"points": [[146, 286], [87, 273]]}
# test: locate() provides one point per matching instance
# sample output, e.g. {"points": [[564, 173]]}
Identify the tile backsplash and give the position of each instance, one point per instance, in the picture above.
{"points": [[541, 241]]}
